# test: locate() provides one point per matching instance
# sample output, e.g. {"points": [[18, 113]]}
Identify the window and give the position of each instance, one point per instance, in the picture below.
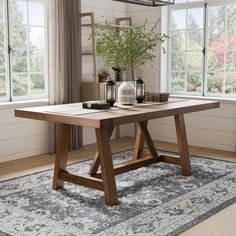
{"points": [[23, 73], [202, 58]]}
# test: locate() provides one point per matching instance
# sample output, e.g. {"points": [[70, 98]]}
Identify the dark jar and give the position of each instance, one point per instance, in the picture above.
{"points": [[110, 92], [140, 90]]}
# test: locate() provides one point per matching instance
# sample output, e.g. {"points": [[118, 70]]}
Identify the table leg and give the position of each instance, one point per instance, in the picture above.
{"points": [[95, 165], [147, 138], [96, 161], [139, 145], [107, 170], [183, 145], [61, 154]]}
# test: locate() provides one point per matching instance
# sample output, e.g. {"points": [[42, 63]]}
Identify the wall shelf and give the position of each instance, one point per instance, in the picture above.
{"points": [[94, 86]]}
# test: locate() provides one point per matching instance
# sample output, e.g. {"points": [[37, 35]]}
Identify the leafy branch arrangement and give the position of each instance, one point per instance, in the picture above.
{"points": [[128, 47]]}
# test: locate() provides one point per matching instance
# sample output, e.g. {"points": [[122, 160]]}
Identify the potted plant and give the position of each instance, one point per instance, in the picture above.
{"points": [[126, 48]]}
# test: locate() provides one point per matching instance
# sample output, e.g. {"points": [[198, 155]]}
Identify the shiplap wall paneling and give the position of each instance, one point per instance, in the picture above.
{"points": [[214, 128], [20, 138]]}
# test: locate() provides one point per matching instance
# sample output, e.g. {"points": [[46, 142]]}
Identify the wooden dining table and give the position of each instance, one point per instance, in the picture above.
{"points": [[104, 121]]}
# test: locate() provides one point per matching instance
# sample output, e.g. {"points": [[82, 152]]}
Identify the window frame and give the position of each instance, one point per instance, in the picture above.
{"points": [[6, 40], [9, 78], [205, 4]]}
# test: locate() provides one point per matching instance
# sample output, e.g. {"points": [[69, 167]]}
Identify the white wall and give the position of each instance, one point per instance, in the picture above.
{"points": [[21, 137]]}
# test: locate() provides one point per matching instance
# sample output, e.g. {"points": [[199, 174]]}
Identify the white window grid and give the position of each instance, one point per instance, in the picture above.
{"points": [[8, 70], [205, 4]]}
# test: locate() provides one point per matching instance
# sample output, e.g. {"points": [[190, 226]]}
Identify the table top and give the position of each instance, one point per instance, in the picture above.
{"points": [[74, 114]]}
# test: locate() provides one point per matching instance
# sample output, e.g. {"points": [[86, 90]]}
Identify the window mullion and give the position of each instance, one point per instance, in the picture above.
{"points": [[186, 50], [28, 48], [8, 52], [205, 48], [225, 48], [169, 46]]}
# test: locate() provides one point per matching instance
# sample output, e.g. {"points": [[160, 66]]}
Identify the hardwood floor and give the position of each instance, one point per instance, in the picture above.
{"points": [[220, 224]]}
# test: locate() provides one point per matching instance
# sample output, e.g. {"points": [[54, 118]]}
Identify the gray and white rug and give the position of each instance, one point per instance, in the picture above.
{"points": [[155, 200]]}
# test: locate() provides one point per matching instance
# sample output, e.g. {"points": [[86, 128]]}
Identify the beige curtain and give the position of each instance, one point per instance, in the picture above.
{"points": [[65, 72]]}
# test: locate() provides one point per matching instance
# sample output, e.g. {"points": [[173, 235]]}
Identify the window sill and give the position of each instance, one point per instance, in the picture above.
{"points": [[25, 103], [222, 100]]}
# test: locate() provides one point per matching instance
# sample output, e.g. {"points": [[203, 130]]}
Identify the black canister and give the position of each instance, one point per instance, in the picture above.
{"points": [[140, 90], [110, 92]]}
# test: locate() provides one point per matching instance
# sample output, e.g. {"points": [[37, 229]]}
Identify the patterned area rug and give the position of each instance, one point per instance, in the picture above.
{"points": [[155, 200]]}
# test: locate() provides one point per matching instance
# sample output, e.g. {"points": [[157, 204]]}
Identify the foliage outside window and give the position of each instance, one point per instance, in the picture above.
{"points": [[203, 48], [22, 50]]}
